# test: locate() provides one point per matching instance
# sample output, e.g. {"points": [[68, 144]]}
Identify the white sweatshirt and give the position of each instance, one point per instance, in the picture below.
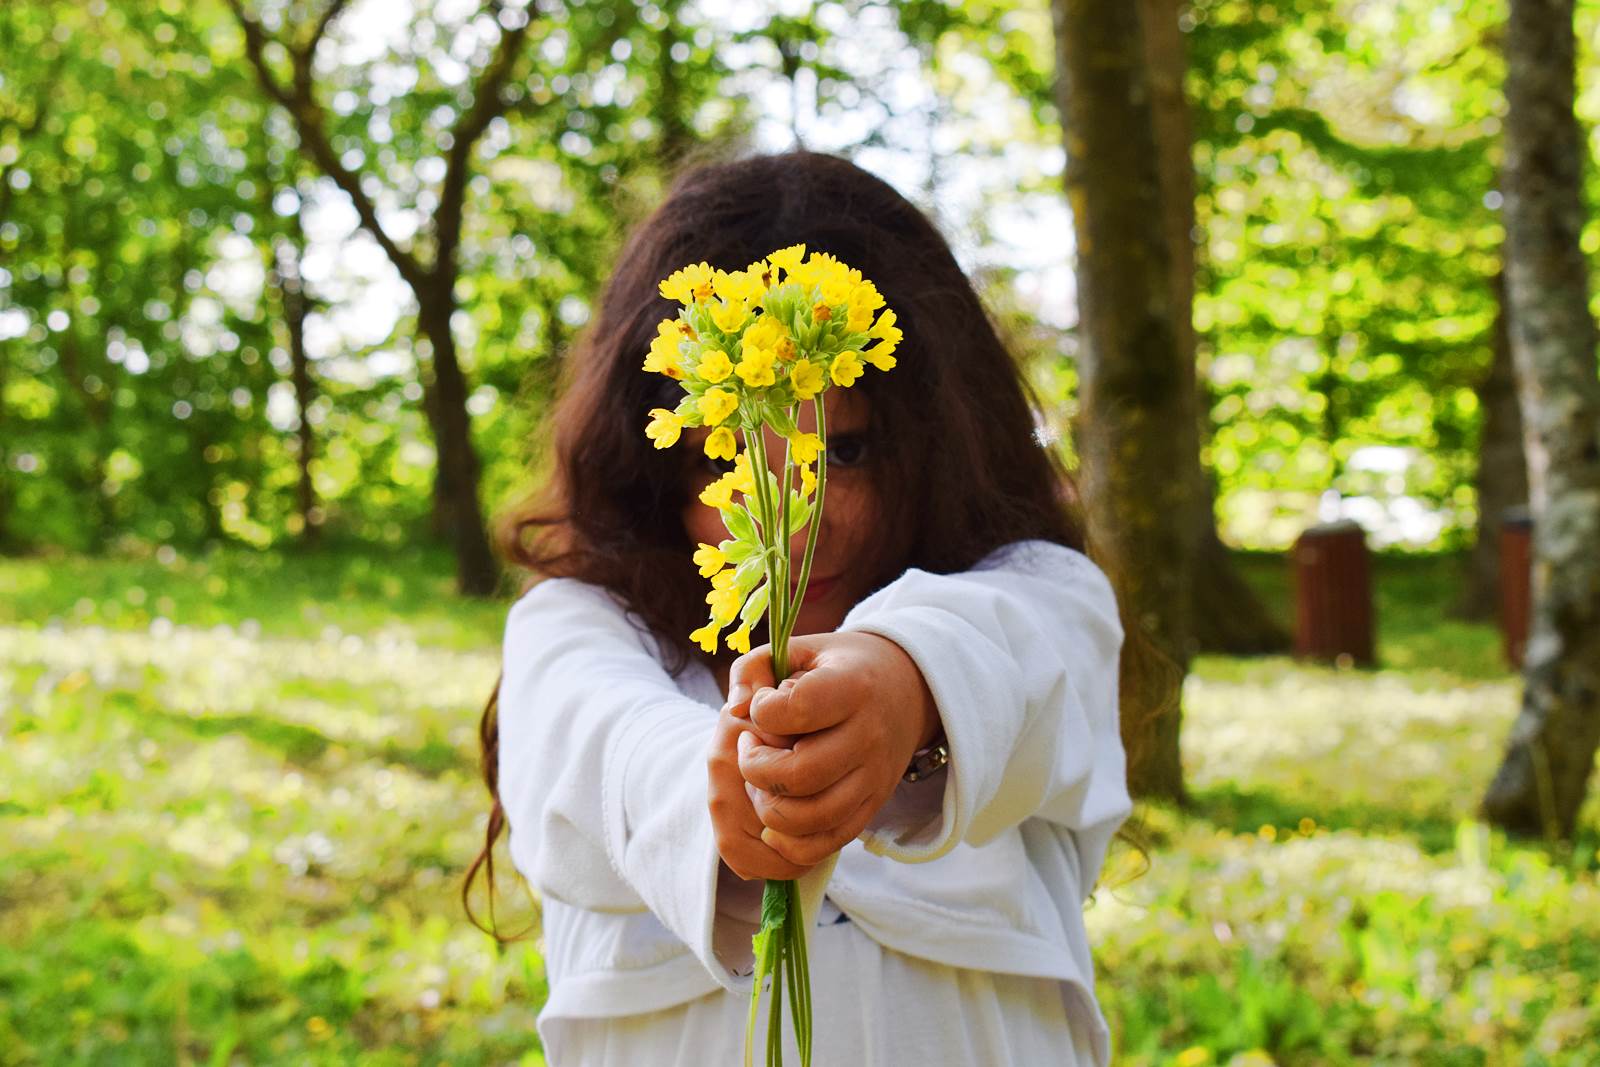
{"points": [[983, 867]]}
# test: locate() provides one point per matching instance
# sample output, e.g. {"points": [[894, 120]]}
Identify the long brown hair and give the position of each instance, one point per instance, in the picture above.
{"points": [[956, 460]]}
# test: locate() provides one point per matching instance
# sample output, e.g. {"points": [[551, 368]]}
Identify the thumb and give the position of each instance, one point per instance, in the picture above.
{"points": [[754, 669], [749, 672], [806, 652]]}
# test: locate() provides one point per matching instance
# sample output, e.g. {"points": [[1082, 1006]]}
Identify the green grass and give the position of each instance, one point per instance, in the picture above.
{"points": [[238, 795]]}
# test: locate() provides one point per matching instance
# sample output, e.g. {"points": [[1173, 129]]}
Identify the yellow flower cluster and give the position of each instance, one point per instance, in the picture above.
{"points": [[748, 346]]}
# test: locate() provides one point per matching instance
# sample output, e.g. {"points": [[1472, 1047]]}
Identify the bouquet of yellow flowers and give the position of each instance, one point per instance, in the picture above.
{"points": [[749, 347]]}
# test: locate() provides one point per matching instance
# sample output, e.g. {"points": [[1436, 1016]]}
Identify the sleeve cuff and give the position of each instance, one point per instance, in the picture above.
{"points": [[923, 820]]}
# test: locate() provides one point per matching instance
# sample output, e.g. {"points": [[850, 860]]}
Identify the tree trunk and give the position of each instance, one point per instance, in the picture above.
{"points": [[456, 482], [94, 398], [296, 307], [1550, 753], [1139, 442], [1502, 480], [674, 137], [9, 542], [1227, 615]]}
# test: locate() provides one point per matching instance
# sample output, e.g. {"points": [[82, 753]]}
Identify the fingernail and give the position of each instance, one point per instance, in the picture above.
{"points": [[751, 792], [738, 694], [769, 837], [746, 742]]}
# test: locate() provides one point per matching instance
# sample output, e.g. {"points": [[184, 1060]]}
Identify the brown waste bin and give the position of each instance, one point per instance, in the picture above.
{"points": [[1516, 574], [1333, 594]]}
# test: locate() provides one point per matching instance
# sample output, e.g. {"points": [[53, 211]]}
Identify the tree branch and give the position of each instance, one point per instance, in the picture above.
{"points": [[329, 13], [487, 103], [310, 122]]}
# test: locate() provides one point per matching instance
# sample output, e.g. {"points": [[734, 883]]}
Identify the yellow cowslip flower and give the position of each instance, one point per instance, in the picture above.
{"points": [[788, 258], [689, 284], [885, 327], [720, 443], [762, 274], [739, 640], [880, 356], [755, 366], [846, 367], [729, 315], [742, 478], [710, 559], [804, 447], [740, 285], [663, 357], [723, 579], [725, 604], [808, 478], [706, 636], [714, 365], [664, 428], [817, 267], [864, 300], [836, 288], [719, 494], [765, 332], [717, 404], [806, 377]]}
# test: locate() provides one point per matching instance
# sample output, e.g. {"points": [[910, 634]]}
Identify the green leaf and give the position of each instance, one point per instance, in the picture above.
{"points": [[799, 511], [688, 410], [740, 523], [736, 551], [776, 417], [774, 904], [750, 571], [756, 606]]}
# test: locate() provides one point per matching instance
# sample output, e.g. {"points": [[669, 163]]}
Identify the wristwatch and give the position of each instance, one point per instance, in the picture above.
{"points": [[928, 760]]}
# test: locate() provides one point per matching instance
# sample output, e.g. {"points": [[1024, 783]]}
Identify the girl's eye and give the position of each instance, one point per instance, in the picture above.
{"points": [[846, 450]]}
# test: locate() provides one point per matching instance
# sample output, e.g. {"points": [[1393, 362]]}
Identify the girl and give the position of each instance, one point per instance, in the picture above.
{"points": [[952, 610]]}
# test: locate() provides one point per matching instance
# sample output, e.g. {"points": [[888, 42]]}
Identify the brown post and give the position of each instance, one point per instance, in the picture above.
{"points": [[1333, 594], [1516, 598]]}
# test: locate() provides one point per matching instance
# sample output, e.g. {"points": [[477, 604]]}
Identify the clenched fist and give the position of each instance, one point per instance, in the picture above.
{"points": [[819, 753]]}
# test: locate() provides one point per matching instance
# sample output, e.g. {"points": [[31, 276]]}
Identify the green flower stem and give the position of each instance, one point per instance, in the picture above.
{"points": [[777, 599], [793, 613], [785, 949]]}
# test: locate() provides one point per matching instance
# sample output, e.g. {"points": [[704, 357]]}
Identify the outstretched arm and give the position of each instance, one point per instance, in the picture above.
{"points": [[605, 773], [1020, 655]]}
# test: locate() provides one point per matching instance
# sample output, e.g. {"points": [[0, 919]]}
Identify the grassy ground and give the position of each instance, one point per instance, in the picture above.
{"points": [[238, 794]]}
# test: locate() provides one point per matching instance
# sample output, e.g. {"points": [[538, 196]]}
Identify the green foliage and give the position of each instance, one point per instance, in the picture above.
{"points": [[241, 793], [240, 796], [1330, 898]]}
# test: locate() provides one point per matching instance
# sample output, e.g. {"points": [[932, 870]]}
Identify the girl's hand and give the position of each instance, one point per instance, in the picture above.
{"points": [[858, 708], [733, 816]]}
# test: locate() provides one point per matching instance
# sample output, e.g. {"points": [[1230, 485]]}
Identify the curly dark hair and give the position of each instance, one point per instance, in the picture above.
{"points": [[958, 462]]}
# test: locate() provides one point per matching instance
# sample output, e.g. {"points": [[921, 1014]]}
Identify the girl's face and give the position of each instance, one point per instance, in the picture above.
{"points": [[849, 508]]}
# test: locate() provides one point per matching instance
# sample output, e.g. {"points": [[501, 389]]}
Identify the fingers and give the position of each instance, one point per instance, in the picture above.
{"points": [[753, 670], [748, 673], [799, 816], [812, 764], [802, 705], [735, 824], [812, 849]]}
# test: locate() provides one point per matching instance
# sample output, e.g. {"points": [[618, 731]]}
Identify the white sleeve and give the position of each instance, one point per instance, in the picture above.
{"points": [[602, 764], [1021, 654]]}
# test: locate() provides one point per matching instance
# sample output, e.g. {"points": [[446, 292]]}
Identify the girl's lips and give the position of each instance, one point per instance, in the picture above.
{"points": [[815, 586]]}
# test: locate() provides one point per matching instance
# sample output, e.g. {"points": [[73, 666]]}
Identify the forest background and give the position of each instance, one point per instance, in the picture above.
{"points": [[285, 287]]}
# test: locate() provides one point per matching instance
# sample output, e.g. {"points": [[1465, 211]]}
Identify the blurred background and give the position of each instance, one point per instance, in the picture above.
{"points": [[285, 287]]}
